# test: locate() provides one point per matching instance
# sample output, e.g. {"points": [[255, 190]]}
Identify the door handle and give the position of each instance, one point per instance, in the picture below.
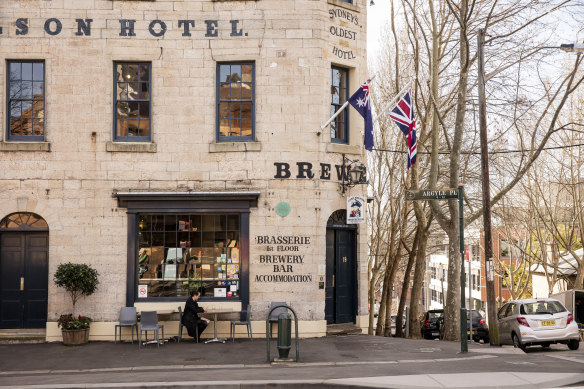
{"points": [[21, 284], [333, 280]]}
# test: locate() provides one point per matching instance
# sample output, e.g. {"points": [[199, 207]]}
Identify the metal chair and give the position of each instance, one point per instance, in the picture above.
{"points": [[149, 322], [276, 312], [244, 322], [128, 318], [180, 327]]}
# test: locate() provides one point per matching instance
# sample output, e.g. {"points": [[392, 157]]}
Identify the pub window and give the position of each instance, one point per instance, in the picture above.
{"points": [[132, 102], [179, 253], [235, 101], [339, 95], [26, 101]]}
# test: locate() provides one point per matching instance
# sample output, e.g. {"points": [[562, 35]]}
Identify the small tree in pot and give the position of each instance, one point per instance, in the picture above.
{"points": [[79, 280]]}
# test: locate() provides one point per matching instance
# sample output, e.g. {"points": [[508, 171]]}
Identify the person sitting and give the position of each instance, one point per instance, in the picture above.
{"points": [[191, 318]]}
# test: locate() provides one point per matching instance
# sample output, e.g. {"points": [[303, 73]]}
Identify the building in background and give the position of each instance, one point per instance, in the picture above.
{"points": [[177, 145]]}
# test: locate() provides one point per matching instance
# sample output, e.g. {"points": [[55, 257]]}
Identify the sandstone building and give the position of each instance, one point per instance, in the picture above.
{"points": [[177, 144]]}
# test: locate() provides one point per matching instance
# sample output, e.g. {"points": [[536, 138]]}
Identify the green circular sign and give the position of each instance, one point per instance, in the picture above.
{"points": [[283, 209]]}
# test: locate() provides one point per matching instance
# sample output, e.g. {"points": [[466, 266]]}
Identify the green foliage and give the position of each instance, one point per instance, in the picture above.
{"points": [[78, 279], [68, 322]]}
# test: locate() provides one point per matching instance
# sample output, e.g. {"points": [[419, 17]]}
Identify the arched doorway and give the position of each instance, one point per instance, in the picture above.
{"points": [[24, 271], [341, 269]]}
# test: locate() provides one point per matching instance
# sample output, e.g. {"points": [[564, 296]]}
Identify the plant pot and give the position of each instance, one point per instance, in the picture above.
{"points": [[75, 337]]}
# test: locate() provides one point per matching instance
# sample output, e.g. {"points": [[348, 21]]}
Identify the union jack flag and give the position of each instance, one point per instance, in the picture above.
{"points": [[403, 115], [362, 103]]}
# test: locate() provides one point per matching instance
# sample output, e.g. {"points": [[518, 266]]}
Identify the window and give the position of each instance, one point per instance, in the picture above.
{"points": [[26, 101], [132, 102], [339, 95], [178, 253], [235, 102]]}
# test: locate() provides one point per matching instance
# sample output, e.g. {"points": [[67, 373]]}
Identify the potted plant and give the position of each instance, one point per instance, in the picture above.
{"points": [[78, 280]]}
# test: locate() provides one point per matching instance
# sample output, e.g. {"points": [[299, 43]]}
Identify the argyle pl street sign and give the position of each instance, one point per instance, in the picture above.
{"points": [[431, 194]]}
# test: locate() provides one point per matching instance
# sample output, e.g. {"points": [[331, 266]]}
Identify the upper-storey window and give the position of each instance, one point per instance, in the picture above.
{"points": [[26, 101], [347, 1], [132, 102], [235, 101], [339, 94]]}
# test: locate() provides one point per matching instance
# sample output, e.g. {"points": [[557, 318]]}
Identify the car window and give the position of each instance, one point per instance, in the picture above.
{"points": [[502, 312], [435, 315], [542, 308], [512, 310]]}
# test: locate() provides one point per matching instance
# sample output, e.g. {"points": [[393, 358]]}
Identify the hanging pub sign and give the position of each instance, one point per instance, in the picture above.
{"points": [[355, 209]]}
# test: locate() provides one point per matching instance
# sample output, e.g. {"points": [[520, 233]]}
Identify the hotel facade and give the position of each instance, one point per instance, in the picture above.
{"points": [[176, 145]]}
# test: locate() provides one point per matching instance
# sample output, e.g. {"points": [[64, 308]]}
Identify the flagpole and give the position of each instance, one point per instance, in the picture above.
{"points": [[342, 107], [392, 102]]}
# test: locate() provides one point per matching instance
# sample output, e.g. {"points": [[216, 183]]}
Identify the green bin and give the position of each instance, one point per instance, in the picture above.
{"points": [[284, 335]]}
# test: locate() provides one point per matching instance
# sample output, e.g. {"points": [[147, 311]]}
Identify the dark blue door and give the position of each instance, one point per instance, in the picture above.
{"points": [[23, 280], [341, 276]]}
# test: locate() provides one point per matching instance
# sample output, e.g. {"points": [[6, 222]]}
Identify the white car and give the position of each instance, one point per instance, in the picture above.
{"points": [[541, 322]]}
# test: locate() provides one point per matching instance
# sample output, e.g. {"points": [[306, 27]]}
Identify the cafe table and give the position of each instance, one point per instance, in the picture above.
{"points": [[216, 311]]}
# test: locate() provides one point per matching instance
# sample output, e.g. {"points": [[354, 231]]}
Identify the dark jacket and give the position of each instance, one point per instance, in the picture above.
{"points": [[190, 316]]}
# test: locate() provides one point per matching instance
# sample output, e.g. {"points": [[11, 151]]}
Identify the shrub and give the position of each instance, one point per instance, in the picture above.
{"points": [[78, 279]]}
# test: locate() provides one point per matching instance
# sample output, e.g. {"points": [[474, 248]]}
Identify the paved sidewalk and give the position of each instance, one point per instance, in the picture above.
{"points": [[357, 361]]}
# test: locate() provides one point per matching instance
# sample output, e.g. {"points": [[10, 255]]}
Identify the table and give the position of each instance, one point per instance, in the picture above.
{"points": [[216, 312]]}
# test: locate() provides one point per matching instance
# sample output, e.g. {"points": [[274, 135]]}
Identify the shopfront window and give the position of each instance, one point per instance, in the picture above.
{"points": [[182, 252]]}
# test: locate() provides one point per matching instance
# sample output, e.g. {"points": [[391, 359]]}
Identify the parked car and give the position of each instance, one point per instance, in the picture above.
{"points": [[542, 322], [393, 323], [479, 327], [433, 325]]}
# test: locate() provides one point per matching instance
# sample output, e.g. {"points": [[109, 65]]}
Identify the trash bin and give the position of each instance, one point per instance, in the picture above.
{"points": [[284, 335]]}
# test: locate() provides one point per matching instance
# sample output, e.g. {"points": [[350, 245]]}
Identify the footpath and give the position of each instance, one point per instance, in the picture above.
{"points": [[354, 361]]}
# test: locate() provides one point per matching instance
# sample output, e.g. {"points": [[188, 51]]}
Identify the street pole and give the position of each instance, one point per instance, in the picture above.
{"points": [[463, 336], [489, 269]]}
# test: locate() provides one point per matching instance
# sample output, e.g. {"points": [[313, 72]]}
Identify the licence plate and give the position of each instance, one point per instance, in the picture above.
{"points": [[435, 333], [548, 323]]}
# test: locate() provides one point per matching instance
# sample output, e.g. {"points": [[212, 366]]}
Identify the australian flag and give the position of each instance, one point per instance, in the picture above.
{"points": [[403, 115], [362, 103]]}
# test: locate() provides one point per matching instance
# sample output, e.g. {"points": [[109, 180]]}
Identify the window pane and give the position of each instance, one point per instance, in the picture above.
{"points": [[224, 92], [26, 92], [122, 91], [27, 108], [133, 89], [235, 127], [120, 72], [37, 72], [131, 72], [246, 127], [15, 70], [122, 128], [26, 126], [144, 109], [133, 127], [144, 127], [37, 90], [247, 75], [123, 110], [246, 91], [27, 71], [144, 74], [235, 109], [335, 95], [246, 110], [15, 90], [336, 77], [223, 110], [15, 126], [235, 73], [38, 126], [224, 73], [224, 127], [144, 91], [133, 109]]}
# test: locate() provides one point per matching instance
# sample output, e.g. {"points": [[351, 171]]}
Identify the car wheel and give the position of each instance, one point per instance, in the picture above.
{"points": [[545, 345], [517, 343], [486, 340], [574, 344]]}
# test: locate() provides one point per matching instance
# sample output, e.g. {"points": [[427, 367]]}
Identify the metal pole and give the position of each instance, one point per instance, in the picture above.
{"points": [[470, 296], [489, 269], [463, 340]]}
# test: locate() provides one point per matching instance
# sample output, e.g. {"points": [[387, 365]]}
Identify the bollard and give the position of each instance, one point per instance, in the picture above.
{"points": [[284, 335]]}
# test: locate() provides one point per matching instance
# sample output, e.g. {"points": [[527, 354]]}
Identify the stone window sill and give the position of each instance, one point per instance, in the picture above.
{"points": [[343, 149], [342, 4], [228, 147], [131, 147], [25, 146]]}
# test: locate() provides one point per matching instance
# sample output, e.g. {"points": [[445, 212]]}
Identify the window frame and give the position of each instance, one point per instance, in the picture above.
{"points": [[218, 101], [115, 137], [25, 138], [345, 113]]}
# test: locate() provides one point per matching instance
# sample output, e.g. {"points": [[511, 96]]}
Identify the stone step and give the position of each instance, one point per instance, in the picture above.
{"points": [[342, 329], [22, 335]]}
